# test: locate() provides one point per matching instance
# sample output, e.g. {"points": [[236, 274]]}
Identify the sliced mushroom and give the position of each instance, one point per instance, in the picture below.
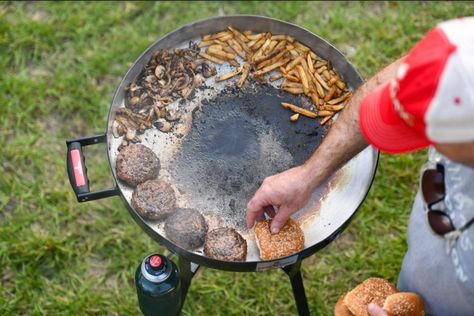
{"points": [[163, 126], [160, 71], [134, 101]]}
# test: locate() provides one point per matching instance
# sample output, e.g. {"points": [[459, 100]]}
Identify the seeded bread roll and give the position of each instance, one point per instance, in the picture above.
{"points": [[374, 290], [341, 309], [404, 304], [289, 240]]}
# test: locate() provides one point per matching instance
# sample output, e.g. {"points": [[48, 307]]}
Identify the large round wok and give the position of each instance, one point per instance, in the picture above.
{"points": [[228, 141]]}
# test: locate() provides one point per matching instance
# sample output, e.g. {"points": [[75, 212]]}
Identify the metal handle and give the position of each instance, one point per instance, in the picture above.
{"points": [[77, 171]]}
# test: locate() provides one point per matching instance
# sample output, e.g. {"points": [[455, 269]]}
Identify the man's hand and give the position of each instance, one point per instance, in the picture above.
{"points": [[287, 192], [375, 310]]}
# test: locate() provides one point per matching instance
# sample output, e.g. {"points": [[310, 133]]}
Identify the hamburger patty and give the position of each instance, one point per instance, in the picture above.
{"points": [[186, 227], [136, 164], [225, 244], [154, 199]]}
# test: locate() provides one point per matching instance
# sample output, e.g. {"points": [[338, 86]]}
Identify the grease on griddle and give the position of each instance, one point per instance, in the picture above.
{"points": [[238, 138]]}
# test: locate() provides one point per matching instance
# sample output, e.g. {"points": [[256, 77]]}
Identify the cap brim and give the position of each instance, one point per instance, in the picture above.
{"points": [[383, 127]]}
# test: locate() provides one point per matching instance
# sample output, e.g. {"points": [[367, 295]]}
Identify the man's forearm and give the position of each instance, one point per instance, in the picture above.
{"points": [[345, 139]]}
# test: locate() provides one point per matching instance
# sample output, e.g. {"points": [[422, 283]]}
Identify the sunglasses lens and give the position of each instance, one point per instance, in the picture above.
{"points": [[440, 222], [432, 186]]}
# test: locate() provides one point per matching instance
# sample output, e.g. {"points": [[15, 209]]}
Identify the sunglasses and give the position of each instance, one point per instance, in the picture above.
{"points": [[433, 191]]}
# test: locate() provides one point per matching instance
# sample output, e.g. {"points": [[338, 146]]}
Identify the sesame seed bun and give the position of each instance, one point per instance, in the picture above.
{"points": [[404, 304], [340, 309], [371, 290], [289, 240]]}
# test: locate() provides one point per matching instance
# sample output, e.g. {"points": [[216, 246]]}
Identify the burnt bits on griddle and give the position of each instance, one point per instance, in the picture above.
{"points": [[186, 228], [154, 199], [136, 164], [225, 243]]}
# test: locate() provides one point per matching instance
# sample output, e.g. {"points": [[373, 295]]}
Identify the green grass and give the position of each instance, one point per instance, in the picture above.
{"points": [[61, 63]]}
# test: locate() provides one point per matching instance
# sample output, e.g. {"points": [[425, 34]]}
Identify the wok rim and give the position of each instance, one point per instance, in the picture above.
{"points": [[235, 266]]}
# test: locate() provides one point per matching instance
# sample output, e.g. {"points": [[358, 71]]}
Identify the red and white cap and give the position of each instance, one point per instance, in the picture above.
{"points": [[431, 100]]}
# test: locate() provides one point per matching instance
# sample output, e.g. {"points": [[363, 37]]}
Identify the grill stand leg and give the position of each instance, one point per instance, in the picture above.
{"points": [[187, 269], [294, 273]]}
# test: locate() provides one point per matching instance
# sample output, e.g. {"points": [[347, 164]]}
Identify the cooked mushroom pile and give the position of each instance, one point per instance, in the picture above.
{"points": [[167, 77]]}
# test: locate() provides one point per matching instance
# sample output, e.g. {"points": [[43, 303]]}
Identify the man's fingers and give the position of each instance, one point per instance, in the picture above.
{"points": [[255, 208], [280, 219], [375, 310], [270, 211]]}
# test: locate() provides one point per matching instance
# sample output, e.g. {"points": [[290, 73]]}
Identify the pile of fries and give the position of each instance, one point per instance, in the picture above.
{"points": [[275, 57]]}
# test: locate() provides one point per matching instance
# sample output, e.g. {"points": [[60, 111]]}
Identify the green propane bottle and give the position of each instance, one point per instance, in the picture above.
{"points": [[158, 286]]}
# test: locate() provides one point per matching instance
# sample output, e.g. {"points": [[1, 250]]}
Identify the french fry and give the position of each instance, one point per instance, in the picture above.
{"points": [[211, 58], [302, 47], [325, 113], [256, 46], [247, 33], [236, 47], [272, 59], [243, 45], [216, 52], [230, 74], [281, 44], [341, 85], [276, 77], [271, 67], [341, 98], [299, 110], [293, 63], [334, 108], [271, 55], [291, 78], [294, 117], [293, 90], [252, 42], [245, 73], [319, 89], [237, 34], [290, 84], [205, 43], [315, 98], [310, 63], [326, 119], [320, 80], [294, 52], [221, 46], [255, 36], [319, 70], [225, 37], [261, 49], [330, 94], [332, 81], [326, 74], [207, 37], [304, 79], [270, 47], [233, 62]]}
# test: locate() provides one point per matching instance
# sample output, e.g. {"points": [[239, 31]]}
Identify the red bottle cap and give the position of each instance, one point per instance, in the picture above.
{"points": [[155, 261]]}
